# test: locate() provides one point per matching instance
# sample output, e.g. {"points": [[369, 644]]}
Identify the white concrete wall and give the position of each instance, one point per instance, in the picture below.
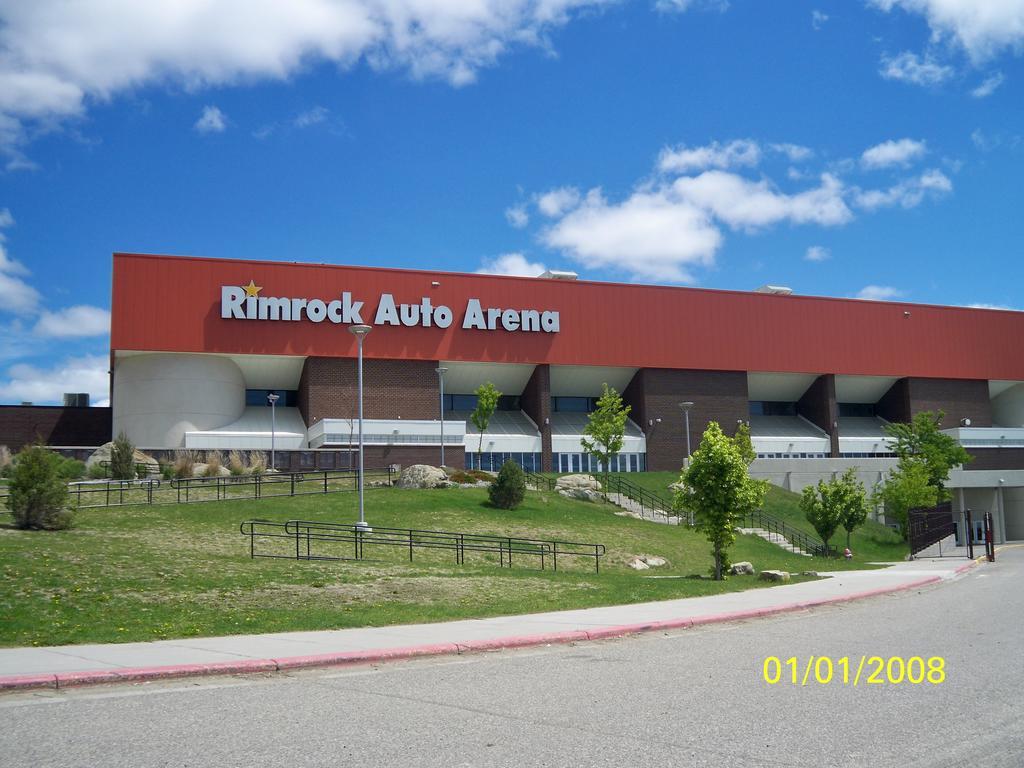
{"points": [[1008, 407], [795, 474], [160, 397]]}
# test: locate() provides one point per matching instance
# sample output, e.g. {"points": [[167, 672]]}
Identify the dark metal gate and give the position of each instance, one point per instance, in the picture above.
{"points": [[930, 526]]}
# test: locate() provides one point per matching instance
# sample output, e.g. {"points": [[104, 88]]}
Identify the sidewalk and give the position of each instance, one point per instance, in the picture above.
{"points": [[63, 666]]}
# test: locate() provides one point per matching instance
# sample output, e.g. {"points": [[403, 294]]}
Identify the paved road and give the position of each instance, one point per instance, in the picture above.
{"points": [[692, 697]]}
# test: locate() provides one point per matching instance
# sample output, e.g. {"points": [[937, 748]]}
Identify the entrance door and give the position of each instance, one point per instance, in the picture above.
{"points": [[978, 524]]}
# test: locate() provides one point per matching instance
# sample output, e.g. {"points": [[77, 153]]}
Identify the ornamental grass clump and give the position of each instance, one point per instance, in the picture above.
{"points": [[37, 494], [214, 461], [509, 487], [257, 462], [185, 461], [236, 463]]}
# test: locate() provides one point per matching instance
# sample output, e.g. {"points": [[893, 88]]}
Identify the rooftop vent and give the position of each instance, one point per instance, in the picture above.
{"points": [[778, 290], [76, 399], [554, 274]]}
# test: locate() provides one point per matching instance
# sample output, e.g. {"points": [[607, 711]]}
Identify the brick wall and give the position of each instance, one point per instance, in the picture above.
{"points": [[996, 458], [536, 403], [54, 425], [818, 406], [655, 393], [958, 398], [407, 455], [408, 389]]}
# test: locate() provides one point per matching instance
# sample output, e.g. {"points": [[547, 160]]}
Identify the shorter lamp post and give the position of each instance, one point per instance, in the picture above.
{"points": [[360, 331], [272, 398], [440, 379], [686, 406]]}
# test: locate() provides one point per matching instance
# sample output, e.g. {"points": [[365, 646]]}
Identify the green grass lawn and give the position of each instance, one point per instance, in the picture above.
{"points": [[152, 572], [873, 542]]}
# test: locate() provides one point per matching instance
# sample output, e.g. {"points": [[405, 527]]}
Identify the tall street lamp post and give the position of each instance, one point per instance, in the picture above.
{"points": [[686, 412], [360, 331], [272, 398], [440, 378]]}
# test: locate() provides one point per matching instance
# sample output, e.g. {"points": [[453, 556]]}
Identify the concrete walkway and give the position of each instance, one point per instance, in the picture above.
{"points": [[62, 666]]}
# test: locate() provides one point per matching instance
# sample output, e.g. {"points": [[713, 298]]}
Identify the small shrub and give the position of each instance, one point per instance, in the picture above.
{"points": [[509, 487], [71, 469], [214, 461], [166, 470], [38, 494], [98, 472], [142, 470], [122, 458], [184, 462], [236, 462]]}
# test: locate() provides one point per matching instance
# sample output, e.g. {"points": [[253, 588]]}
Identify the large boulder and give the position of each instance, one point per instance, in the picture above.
{"points": [[574, 482], [102, 456], [774, 576], [742, 569], [580, 494], [422, 476], [638, 564]]}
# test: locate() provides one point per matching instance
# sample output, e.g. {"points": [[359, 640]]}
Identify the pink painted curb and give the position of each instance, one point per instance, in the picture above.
{"points": [[142, 674]]}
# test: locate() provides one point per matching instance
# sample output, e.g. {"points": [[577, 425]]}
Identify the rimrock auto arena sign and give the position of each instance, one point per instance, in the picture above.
{"points": [[246, 303]]}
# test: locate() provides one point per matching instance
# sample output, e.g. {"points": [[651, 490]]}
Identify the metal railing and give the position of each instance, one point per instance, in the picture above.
{"points": [[799, 539], [306, 541], [651, 504], [192, 490], [538, 481]]}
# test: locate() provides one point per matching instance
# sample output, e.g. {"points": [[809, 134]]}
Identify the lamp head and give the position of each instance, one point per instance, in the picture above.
{"points": [[686, 405], [273, 398], [359, 330]]}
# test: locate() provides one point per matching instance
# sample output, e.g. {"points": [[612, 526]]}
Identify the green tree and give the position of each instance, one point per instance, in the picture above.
{"points": [[855, 505], [718, 490], [37, 494], [508, 489], [487, 396], [921, 441], [605, 430], [833, 503], [908, 486], [744, 443], [122, 458]]}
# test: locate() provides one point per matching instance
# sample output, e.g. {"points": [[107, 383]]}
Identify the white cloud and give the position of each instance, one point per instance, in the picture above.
{"points": [[817, 253], [988, 86], [6, 218], [514, 264], [746, 204], [681, 6], [59, 57], [16, 296], [30, 383], [818, 19], [313, 116], [649, 235], [879, 293], [73, 322], [1002, 307], [901, 152], [558, 201], [211, 121], [907, 193], [908, 67], [682, 159], [517, 216], [982, 27], [795, 152]]}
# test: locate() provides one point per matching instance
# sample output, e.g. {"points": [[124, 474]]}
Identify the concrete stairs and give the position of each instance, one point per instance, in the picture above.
{"points": [[635, 509], [775, 538]]}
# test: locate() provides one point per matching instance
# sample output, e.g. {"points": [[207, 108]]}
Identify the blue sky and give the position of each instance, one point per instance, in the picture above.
{"points": [[864, 149]]}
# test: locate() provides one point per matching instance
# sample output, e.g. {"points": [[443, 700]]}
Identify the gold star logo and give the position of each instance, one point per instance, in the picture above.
{"points": [[252, 289]]}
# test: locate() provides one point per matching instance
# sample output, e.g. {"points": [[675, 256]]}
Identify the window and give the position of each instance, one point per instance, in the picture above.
{"points": [[772, 408], [287, 398], [856, 409], [573, 404]]}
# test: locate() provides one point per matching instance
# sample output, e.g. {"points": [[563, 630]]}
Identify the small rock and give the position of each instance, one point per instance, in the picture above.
{"points": [[653, 560], [813, 574], [637, 564], [742, 569], [774, 576]]}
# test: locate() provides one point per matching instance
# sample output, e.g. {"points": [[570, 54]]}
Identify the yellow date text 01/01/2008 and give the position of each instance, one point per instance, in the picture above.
{"points": [[865, 670]]}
